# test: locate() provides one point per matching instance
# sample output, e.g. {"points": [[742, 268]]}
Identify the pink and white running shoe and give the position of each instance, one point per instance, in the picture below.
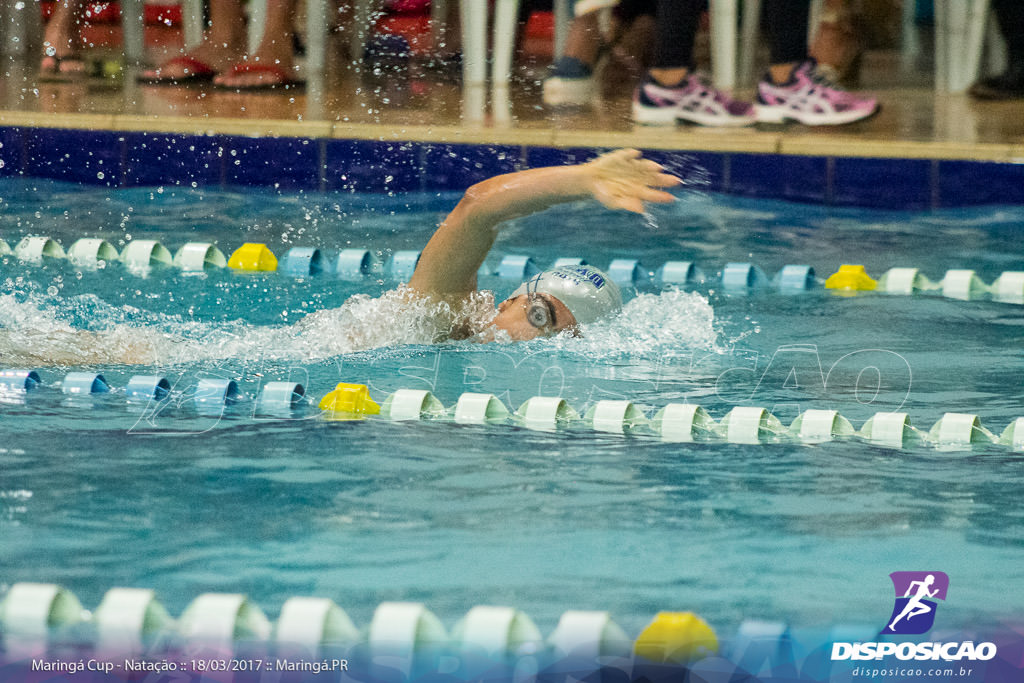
{"points": [[692, 100], [811, 99]]}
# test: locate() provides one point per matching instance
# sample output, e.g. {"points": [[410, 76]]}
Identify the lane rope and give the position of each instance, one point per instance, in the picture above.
{"points": [[675, 422], [143, 256], [37, 618]]}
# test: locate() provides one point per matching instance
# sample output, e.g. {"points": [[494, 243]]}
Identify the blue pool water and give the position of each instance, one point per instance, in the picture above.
{"points": [[96, 494]]}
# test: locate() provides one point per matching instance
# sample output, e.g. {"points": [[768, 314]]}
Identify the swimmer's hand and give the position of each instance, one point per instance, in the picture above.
{"points": [[622, 180]]}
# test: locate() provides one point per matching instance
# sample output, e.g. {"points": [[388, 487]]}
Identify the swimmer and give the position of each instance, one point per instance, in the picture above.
{"points": [[556, 300], [440, 301]]}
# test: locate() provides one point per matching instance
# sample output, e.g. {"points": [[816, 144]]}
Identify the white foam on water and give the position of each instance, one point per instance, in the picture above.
{"points": [[46, 329]]}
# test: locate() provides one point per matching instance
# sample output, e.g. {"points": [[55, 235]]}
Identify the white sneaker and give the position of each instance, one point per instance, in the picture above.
{"points": [[693, 100], [811, 99], [571, 84]]}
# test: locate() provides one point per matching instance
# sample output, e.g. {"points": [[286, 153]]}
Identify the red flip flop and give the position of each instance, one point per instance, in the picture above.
{"points": [[195, 72], [281, 79]]}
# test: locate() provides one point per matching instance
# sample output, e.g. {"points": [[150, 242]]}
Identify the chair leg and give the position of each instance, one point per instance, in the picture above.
{"points": [[996, 59], [750, 30], [723, 43], [318, 27], [910, 45], [959, 41], [816, 12], [941, 45], [438, 22], [473, 17], [133, 26], [24, 29], [362, 28], [563, 18], [193, 21], [977, 24], [506, 23], [257, 23]]}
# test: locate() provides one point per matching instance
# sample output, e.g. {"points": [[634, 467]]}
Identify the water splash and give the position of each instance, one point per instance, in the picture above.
{"points": [[648, 326], [39, 328]]}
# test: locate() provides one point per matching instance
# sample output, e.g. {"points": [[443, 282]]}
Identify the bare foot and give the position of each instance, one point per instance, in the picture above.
{"points": [[837, 48], [208, 58], [64, 65]]}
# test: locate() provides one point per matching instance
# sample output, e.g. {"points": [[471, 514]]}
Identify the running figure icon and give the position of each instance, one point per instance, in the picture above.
{"points": [[916, 596], [914, 606]]}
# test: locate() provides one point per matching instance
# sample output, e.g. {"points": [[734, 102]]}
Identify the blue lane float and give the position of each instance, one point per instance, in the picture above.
{"points": [[794, 279], [743, 276], [763, 648], [678, 273], [148, 388], [402, 265], [84, 383], [626, 271], [214, 395], [517, 267], [18, 380], [568, 261], [354, 264], [303, 262], [280, 397]]}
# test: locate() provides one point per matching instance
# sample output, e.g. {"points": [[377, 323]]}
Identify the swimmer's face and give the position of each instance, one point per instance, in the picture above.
{"points": [[513, 317]]}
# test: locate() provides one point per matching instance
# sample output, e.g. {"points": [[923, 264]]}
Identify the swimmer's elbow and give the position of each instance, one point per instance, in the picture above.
{"points": [[485, 205]]}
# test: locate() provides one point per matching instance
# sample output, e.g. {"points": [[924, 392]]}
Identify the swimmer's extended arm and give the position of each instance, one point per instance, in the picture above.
{"points": [[619, 180]]}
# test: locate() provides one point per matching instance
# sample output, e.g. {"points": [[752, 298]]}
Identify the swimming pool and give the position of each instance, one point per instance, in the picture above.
{"points": [[96, 493]]}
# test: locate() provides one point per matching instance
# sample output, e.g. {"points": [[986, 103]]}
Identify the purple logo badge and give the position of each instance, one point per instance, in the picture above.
{"points": [[916, 592]]}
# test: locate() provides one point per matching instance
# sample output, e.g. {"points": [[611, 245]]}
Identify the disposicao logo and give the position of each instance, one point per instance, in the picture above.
{"points": [[913, 614], [916, 592]]}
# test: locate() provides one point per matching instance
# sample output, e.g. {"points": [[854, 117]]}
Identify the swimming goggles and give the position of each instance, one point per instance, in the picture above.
{"points": [[539, 310]]}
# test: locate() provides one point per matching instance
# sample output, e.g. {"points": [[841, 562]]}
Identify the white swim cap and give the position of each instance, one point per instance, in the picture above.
{"points": [[585, 291]]}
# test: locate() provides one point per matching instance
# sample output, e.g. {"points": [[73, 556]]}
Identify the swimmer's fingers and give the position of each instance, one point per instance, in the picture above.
{"points": [[664, 180], [630, 197], [658, 196]]}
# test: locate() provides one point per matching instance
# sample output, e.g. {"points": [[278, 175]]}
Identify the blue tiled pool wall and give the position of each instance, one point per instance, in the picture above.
{"points": [[125, 159]]}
